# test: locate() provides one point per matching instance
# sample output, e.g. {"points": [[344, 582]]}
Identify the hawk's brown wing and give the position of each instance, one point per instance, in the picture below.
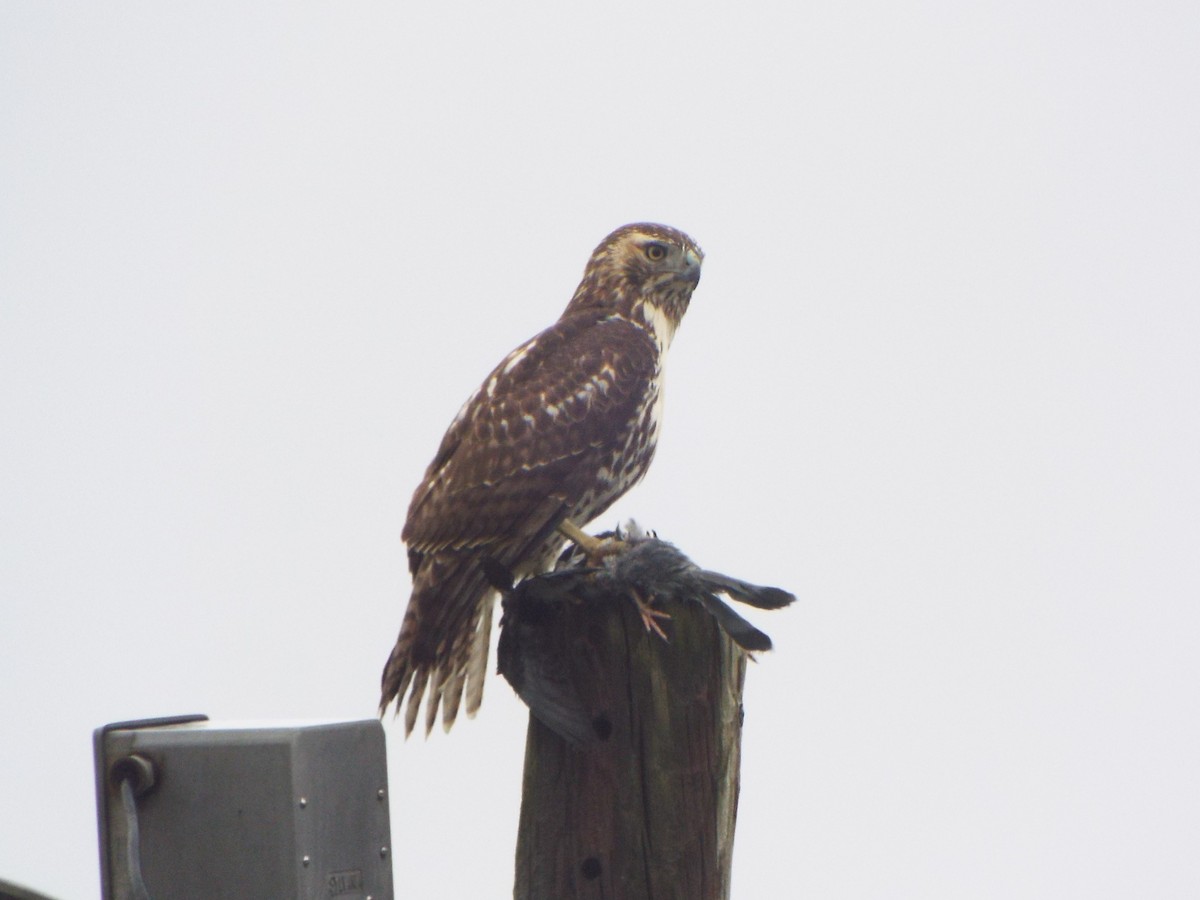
{"points": [[540, 426]]}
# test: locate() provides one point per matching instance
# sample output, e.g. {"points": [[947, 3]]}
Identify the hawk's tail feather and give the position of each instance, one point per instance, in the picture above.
{"points": [[436, 686], [443, 643], [451, 696], [397, 676], [476, 672], [420, 677]]}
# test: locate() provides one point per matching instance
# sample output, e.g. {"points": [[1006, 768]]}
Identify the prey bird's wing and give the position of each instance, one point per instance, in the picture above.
{"points": [[745, 592]]}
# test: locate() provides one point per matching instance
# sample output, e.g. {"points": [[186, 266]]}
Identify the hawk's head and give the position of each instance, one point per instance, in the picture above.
{"points": [[644, 272]]}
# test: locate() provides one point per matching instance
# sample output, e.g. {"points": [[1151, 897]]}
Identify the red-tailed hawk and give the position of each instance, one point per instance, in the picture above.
{"points": [[565, 425]]}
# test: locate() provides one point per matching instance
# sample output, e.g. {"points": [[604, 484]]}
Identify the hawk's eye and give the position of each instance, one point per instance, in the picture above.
{"points": [[655, 252]]}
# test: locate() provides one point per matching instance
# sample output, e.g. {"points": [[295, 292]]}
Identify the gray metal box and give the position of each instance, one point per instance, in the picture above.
{"points": [[245, 811]]}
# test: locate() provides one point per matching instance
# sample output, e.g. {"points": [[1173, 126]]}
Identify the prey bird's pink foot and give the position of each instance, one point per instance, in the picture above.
{"points": [[649, 614]]}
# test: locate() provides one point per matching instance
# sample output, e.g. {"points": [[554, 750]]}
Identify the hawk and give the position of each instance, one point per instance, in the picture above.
{"points": [[561, 428]]}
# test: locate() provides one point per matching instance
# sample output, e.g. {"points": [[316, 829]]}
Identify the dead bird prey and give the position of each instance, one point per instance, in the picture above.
{"points": [[646, 571]]}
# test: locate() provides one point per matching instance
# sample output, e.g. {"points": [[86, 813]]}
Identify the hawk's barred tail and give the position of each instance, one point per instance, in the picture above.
{"points": [[442, 585]]}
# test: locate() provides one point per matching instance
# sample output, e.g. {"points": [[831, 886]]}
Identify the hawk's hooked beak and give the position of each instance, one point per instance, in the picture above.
{"points": [[691, 266]]}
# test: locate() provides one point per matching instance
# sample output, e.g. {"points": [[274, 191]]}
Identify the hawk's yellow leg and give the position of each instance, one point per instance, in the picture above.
{"points": [[595, 548]]}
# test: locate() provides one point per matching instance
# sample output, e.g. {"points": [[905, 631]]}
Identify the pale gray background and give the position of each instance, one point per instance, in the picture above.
{"points": [[940, 379]]}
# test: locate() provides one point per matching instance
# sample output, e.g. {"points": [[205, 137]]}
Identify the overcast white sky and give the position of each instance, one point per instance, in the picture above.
{"points": [[940, 379]]}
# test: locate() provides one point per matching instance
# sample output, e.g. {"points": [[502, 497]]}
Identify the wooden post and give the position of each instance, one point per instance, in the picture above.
{"points": [[647, 808]]}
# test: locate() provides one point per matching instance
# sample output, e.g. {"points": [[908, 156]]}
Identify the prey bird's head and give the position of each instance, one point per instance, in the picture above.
{"points": [[643, 272]]}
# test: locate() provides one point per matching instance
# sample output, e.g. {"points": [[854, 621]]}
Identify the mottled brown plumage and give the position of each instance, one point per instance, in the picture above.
{"points": [[563, 426]]}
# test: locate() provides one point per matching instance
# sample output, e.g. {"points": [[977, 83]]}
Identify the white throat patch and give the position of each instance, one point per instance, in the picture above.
{"points": [[660, 324]]}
